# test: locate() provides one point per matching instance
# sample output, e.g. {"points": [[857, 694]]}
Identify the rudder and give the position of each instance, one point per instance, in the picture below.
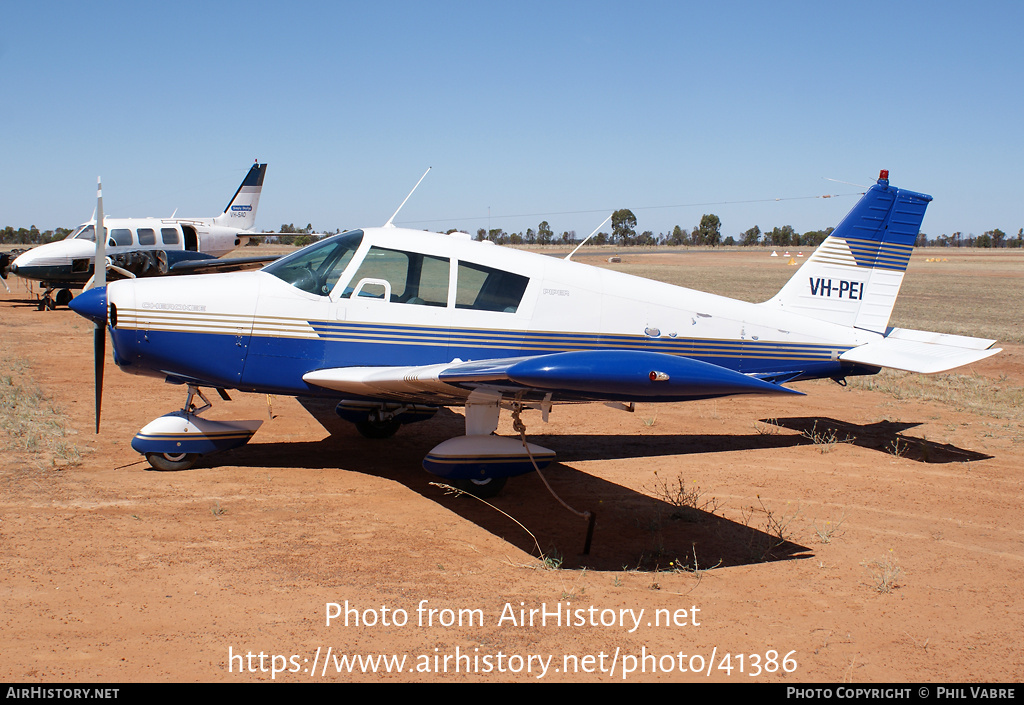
{"points": [[241, 210], [854, 276]]}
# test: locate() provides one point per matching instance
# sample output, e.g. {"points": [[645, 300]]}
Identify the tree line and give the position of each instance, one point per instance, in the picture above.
{"points": [[31, 235], [708, 233]]}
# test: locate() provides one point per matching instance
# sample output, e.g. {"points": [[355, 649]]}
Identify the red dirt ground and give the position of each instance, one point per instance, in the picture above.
{"points": [[114, 573]]}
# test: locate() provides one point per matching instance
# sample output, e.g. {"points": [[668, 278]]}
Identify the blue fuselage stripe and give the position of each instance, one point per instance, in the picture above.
{"points": [[275, 364]]}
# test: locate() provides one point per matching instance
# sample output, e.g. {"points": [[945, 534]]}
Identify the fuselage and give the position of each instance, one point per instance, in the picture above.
{"points": [[392, 297], [70, 262]]}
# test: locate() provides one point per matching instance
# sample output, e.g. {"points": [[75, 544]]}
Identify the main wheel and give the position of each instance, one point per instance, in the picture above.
{"points": [[378, 429], [484, 489], [63, 297], [172, 461]]}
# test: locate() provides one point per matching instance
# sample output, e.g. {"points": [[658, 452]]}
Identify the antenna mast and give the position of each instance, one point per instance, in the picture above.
{"points": [[390, 224]]}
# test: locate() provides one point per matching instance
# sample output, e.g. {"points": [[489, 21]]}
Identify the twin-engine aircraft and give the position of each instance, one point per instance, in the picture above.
{"points": [[139, 247], [396, 323]]}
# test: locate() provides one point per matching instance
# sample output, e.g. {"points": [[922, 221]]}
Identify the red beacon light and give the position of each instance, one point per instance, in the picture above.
{"points": [[884, 174]]}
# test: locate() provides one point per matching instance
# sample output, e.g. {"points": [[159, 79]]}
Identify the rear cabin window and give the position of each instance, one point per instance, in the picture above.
{"points": [[402, 277], [147, 236], [486, 289], [169, 236]]}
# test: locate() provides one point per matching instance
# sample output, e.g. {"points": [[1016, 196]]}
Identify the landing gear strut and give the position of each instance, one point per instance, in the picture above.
{"points": [[177, 440], [480, 463], [48, 301], [382, 420]]}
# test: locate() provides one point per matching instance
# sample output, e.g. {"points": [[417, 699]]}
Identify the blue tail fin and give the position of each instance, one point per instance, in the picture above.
{"points": [[854, 276], [241, 211]]}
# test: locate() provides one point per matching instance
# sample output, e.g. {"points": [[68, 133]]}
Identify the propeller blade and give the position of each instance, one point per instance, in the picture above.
{"points": [[99, 336], [100, 272], [99, 351]]}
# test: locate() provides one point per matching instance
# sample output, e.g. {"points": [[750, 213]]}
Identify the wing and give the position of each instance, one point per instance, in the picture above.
{"points": [[585, 375], [230, 264], [151, 263]]}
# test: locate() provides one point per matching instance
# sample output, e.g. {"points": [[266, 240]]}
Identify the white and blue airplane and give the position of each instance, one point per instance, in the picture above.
{"points": [[146, 246], [395, 323]]}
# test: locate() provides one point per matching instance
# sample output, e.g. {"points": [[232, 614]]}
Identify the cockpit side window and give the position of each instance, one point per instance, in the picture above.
{"points": [[317, 268], [487, 289], [411, 277], [122, 237]]}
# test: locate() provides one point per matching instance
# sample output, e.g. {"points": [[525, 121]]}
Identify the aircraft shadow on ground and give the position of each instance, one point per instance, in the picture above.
{"points": [[26, 303], [655, 530], [885, 436], [633, 530]]}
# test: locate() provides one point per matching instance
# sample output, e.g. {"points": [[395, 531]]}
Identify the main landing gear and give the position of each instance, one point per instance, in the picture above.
{"points": [[480, 463], [49, 301], [377, 420], [177, 440]]}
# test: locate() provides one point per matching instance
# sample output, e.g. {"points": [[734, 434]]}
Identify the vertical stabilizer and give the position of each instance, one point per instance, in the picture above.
{"points": [[854, 276], [241, 211]]}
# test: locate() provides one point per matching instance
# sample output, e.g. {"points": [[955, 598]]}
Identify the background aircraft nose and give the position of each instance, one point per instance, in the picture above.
{"points": [[91, 304]]}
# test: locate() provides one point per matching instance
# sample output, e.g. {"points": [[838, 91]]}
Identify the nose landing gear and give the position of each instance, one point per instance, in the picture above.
{"points": [[177, 440]]}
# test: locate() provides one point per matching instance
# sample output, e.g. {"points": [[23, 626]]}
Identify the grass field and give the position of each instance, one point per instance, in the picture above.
{"points": [[977, 293]]}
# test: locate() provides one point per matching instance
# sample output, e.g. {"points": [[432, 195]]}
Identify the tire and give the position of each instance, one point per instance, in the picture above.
{"points": [[63, 297], [484, 489], [378, 429], [170, 462]]}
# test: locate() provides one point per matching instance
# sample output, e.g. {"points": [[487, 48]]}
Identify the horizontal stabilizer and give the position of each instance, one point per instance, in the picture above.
{"points": [[921, 351]]}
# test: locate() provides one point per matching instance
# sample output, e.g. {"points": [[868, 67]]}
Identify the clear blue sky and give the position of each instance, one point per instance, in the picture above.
{"points": [[559, 111]]}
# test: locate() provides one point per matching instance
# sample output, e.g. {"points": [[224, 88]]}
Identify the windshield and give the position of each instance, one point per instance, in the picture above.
{"points": [[83, 232], [317, 268]]}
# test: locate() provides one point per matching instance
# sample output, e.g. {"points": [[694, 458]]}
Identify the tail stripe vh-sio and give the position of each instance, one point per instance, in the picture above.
{"points": [[241, 209], [853, 278]]}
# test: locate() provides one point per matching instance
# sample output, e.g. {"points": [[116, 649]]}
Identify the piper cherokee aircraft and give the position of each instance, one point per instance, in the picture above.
{"points": [[146, 246], [396, 323]]}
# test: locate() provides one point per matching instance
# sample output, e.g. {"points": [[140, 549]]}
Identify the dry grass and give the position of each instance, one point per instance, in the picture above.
{"points": [[989, 295], [988, 285], [885, 572], [963, 392], [986, 300], [29, 422]]}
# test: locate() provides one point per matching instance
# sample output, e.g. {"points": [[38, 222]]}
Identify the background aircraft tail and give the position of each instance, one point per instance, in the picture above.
{"points": [[854, 276], [241, 211]]}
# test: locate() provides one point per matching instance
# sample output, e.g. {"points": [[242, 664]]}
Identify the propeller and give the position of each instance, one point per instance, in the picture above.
{"points": [[92, 303], [99, 336]]}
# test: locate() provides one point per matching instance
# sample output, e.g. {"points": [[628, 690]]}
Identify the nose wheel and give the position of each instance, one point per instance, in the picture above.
{"points": [[484, 489], [172, 461], [176, 441]]}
